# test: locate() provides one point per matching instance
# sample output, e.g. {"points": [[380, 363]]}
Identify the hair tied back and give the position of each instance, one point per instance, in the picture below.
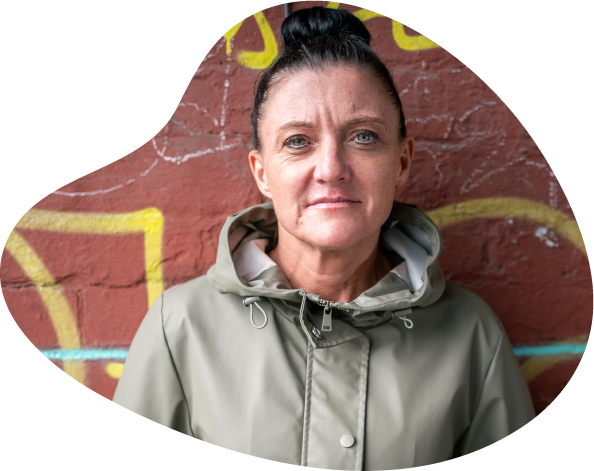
{"points": [[317, 37], [317, 23]]}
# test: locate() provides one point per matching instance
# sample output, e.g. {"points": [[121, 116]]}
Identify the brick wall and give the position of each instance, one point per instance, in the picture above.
{"points": [[81, 267]]}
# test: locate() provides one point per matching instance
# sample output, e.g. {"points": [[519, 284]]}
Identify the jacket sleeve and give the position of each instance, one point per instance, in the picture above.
{"points": [[504, 403], [150, 385]]}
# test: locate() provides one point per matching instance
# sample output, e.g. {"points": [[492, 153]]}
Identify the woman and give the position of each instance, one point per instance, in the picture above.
{"points": [[325, 334]]}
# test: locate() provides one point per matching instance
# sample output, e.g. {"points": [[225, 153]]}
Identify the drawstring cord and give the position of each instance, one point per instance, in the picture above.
{"points": [[301, 315], [250, 302], [407, 322], [255, 299]]}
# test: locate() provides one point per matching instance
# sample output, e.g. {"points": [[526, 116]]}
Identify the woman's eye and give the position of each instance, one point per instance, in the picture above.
{"points": [[365, 137], [296, 142]]}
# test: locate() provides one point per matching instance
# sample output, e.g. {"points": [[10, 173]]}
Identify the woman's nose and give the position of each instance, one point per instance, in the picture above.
{"points": [[331, 164]]}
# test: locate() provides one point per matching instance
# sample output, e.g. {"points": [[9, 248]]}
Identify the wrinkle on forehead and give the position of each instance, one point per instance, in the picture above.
{"points": [[304, 100], [326, 68]]}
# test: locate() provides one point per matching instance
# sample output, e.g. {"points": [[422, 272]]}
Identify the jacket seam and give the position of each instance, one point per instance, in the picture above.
{"points": [[307, 407], [175, 367], [478, 398], [360, 443], [340, 340], [480, 395]]}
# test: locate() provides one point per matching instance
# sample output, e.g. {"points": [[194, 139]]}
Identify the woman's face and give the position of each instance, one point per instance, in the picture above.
{"points": [[330, 158]]}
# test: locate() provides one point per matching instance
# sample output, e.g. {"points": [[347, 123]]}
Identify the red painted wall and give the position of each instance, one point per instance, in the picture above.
{"points": [[469, 147]]}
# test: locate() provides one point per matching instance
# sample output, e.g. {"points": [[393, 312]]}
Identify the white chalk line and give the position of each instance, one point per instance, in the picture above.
{"points": [[105, 190], [470, 183], [179, 159]]}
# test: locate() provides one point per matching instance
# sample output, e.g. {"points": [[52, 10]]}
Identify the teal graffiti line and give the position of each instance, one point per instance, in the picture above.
{"points": [[559, 349], [90, 354], [120, 354]]}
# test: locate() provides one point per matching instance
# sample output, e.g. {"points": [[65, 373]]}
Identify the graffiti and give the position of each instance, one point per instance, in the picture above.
{"points": [[538, 364], [103, 191], [149, 221], [114, 369], [56, 304], [82, 312], [259, 60], [255, 59], [542, 357], [403, 40], [410, 43], [510, 208]]}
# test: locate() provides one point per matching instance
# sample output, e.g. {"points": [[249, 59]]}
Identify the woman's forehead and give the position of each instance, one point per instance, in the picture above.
{"points": [[343, 92]]}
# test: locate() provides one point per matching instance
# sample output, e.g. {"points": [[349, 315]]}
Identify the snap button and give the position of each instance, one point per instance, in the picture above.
{"points": [[347, 441], [316, 332]]}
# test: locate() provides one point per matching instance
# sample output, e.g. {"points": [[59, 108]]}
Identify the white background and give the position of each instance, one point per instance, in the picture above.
{"points": [[84, 84]]}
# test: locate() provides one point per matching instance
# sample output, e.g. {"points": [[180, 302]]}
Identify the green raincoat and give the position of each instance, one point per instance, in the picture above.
{"points": [[414, 371]]}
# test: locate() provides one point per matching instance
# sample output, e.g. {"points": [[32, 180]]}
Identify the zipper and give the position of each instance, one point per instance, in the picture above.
{"points": [[302, 320], [327, 319]]}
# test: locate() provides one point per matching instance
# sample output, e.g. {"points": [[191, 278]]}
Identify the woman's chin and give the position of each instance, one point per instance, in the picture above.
{"points": [[334, 234]]}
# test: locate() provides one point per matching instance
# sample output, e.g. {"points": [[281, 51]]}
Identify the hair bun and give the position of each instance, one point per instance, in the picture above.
{"points": [[304, 26]]}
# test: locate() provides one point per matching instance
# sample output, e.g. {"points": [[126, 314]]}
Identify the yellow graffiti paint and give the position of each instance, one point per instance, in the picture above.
{"points": [[230, 34], [365, 15], [536, 365], [149, 221], [403, 40], [114, 369], [76, 369], [510, 208], [410, 43], [260, 59], [362, 14], [521, 209], [53, 298]]}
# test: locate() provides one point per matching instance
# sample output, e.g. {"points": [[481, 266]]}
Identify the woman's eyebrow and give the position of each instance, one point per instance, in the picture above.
{"points": [[295, 124], [367, 119], [352, 122]]}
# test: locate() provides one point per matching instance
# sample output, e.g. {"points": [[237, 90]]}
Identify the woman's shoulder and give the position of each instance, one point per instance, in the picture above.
{"points": [[457, 296], [460, 315], [187, 289], [196, 300]]}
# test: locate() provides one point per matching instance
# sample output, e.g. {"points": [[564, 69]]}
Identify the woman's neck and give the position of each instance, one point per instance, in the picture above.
{"points": [[334, 275]]}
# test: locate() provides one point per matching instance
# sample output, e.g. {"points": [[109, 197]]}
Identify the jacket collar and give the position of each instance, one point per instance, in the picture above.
{"points": [[243, 268]]}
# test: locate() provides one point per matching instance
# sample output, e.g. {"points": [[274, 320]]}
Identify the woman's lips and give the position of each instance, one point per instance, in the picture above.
{"points": [[333, 202]]}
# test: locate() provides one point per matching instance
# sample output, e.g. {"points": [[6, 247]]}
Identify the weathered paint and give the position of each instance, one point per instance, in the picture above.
{"points": [[260, 59], [87, 261], [509, 208], [543, 357], [148, 221], [50, 292], [151, 222], [114, 369]]}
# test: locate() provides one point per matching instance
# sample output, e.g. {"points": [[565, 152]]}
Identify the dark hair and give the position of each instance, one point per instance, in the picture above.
{"points": [[317, 36]]}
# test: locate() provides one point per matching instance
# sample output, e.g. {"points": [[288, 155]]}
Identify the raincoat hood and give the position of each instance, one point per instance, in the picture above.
{"points": [[409, 236]]}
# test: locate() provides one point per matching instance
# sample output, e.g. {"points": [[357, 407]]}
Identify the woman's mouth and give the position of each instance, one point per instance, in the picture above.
{"points": [[334, 202]]}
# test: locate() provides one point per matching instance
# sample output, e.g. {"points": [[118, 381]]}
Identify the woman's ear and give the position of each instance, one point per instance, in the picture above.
{"points": [[259, 173], [406, 156]]}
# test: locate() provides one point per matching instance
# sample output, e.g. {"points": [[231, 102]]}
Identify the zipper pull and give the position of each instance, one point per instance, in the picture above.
{"points": [[327, 319]]}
